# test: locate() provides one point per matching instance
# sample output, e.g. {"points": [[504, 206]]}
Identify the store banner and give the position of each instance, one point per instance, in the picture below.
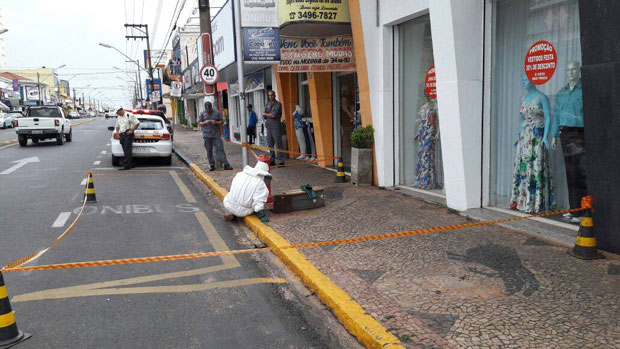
{"points": [[540, 62], [259, 13], [321, 11], [261, 45], [325, 54], [32, 93], [159, 58], [223, 36]]}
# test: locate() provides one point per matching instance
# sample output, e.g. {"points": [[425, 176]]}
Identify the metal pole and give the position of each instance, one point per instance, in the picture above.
{"points": [[39, 89], [148, 57], [74, 107], [244, 122]]}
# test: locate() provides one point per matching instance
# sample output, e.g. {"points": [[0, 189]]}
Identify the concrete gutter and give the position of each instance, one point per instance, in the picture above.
{"points": [[368, 331]]}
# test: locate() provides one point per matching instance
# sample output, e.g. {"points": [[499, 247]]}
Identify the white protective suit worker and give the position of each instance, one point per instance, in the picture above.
{"points": [[248, 192]]}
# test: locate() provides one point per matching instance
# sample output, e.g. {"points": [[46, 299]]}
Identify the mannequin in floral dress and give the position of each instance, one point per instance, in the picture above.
{"points": [[532, 185], [427, 139]]}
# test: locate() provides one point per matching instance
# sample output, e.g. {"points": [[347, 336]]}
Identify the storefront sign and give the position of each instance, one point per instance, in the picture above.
{"points": [[223, 32], [153, 92], [187, 79], [322, 11], [261, 45], [32, 93], [159, 58], [259, 13], [430, 83], [316, 54], [540, 62]]}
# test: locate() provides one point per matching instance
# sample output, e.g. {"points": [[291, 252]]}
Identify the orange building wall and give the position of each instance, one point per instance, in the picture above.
{"points": [[287, 94], [320, 86]]}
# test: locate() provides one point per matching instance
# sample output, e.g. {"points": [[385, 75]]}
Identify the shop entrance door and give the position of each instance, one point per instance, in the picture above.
{"points": [[346, 114]]}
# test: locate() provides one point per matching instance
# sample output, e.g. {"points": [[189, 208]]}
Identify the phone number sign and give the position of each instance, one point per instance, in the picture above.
{"points": [[541, 61]]}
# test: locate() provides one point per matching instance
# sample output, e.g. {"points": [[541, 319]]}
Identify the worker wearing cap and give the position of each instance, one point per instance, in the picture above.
{"points": [[211, 120], [126, 124]]}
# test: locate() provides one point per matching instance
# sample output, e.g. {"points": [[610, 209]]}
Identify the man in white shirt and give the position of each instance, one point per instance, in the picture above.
{"points": [[126, 124]]}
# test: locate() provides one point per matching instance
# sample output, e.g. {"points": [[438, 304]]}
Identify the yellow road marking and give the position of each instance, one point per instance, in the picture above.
{"points": [[215, 239], [186, 193], [6, 146]]}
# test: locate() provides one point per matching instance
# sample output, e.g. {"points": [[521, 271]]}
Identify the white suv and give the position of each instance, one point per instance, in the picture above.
{"points": [[151, 139]]}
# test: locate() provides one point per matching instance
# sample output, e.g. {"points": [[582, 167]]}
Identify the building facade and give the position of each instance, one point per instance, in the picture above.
{"points": [[479, 103]]}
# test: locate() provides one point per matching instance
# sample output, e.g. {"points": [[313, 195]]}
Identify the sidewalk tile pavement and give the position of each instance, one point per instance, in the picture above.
{"points": [[472, 288]]}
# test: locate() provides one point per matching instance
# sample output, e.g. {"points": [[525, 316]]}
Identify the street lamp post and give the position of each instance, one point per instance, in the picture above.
{"points": [[131, 60]]}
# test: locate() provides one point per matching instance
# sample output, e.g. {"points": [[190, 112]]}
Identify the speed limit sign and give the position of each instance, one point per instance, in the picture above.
{"points": [[209, 74]]}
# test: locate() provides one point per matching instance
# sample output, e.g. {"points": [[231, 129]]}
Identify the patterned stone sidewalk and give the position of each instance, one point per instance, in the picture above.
{"points": [[479, 287]]}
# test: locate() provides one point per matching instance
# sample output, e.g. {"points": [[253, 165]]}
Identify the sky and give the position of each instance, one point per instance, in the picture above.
{"points": [[51, 33]]}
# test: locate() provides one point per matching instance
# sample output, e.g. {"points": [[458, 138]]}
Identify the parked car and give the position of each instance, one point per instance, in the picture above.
{"points": [[6, 120], [110, 114], [91, 114], [158, 113], [73, 115], [151, 140], [41, 123]]}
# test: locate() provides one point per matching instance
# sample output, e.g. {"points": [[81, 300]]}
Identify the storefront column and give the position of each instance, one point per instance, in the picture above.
{"points": [[320, 87], [600, 74], [286, 84], [457, 30], [359, 49]]}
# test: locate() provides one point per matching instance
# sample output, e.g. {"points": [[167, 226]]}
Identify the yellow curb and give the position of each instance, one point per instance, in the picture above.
{"points": [[364, 327]]}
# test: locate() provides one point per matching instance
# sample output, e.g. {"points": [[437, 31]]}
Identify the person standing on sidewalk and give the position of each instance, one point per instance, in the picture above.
{"points": [[211, 120], [272, 115], [126, 124], [252, 125]]}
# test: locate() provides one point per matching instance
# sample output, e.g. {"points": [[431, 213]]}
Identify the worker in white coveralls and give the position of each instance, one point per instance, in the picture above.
{"points": [[248, 193]]}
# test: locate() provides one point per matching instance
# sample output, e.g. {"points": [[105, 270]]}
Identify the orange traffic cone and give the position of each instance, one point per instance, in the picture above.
{"points": [[585, 246], [9, 334]]}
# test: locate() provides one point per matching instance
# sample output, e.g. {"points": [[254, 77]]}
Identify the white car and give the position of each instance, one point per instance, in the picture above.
{"points": [[6, 120], [151, 140]]}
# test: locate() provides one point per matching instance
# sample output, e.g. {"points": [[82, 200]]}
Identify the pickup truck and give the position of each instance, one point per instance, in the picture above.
{"points": [[41, 123]]}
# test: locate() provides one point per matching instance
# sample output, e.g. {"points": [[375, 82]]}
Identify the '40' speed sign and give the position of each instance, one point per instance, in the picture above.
{"points": [[209, 74]]}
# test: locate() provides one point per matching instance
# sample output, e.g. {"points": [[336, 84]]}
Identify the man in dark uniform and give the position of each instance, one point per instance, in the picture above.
{"points": [[211, 120]]}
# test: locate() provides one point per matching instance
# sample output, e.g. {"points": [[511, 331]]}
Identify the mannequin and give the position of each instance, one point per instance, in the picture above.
{"points": [[532, 186], [427, 136], [567, 126], [299, 131]]}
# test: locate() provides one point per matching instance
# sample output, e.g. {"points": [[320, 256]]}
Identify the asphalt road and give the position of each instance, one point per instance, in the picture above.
{"points": [[247, 301]]}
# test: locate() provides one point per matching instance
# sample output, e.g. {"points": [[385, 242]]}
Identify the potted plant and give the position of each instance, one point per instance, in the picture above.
{"points": [[361, 155]]}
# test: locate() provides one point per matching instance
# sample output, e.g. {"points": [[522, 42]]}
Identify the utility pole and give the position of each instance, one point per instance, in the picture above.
{"points": [[39, 89], [204, 9], [147, 61], [239, 47], [83, 100], [74, 108]]}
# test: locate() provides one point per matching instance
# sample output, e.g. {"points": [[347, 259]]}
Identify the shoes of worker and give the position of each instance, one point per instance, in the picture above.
{"points": [[228, 167]]}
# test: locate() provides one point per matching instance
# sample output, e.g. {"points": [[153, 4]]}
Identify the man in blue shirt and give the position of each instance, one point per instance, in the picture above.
{"points": [[567, 125], [251, 125]]}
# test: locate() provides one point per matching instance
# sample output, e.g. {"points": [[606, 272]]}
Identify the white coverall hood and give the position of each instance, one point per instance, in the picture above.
{"points": [[248, 192]]}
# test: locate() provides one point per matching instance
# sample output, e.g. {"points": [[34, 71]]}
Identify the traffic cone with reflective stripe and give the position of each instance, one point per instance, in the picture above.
{"points": [[89, 191], [340, 176], [9, 334], [585, 246]]}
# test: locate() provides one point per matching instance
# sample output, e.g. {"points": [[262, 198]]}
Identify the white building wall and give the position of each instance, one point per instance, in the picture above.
{"points": [[456, 27], [3, 55]]}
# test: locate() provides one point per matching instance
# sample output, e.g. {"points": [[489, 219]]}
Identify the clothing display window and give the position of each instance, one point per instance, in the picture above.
{"points": [[420, 159], [537, 144], [347, 116]]}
